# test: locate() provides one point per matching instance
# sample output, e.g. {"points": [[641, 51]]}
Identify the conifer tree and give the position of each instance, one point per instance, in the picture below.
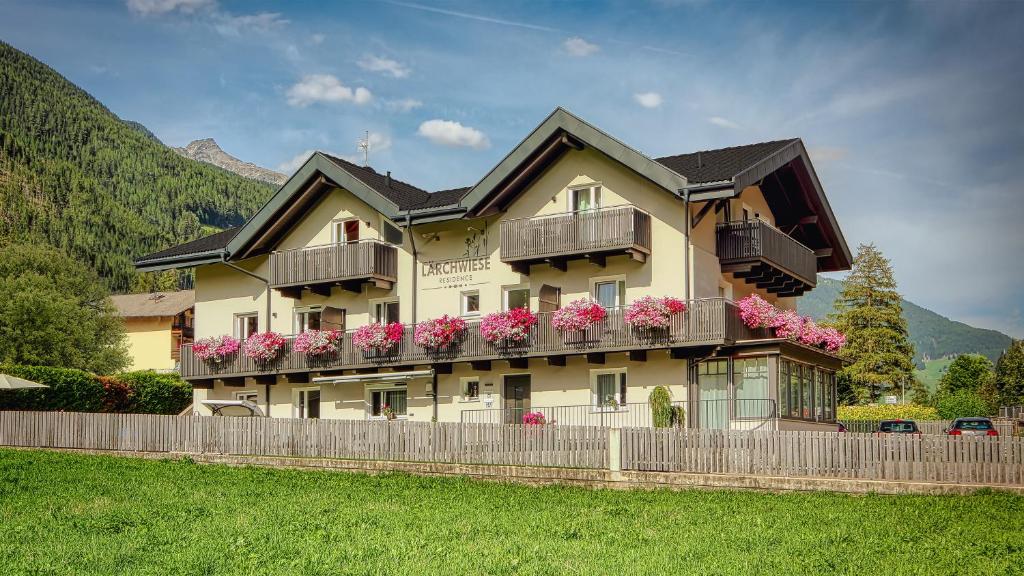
{"points": [[1010, 374], [869, 312]]}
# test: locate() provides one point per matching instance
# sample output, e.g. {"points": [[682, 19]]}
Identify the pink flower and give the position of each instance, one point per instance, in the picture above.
{"points": [[650, 313], [215, 348], [535, 419], [756, 312], [578, 315], [439, 332], [317, 342], [833, 339], [264, 346], [378, 337], [512, 326]]}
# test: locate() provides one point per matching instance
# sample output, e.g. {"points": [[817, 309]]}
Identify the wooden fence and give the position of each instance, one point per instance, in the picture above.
{"points": [[561, 446], [928, 458]]}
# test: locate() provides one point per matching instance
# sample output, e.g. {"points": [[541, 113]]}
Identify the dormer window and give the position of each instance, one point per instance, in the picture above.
{"points": [[587, 198]]}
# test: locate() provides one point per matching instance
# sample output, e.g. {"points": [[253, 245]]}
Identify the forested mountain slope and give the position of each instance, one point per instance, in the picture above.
{"points": [[933, 335], [74, 175]]}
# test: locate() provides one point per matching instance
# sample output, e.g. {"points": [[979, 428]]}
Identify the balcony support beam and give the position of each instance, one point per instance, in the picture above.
{"points": [[481, 365], [445, 368], [597, 259], [559, 264], [638, 355], [595, 358], [321, 290], [519, 363], [556, 360]]}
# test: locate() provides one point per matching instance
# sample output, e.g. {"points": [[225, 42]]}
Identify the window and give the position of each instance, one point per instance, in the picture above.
{"points": [[471, 303], [588, 198], [307, 403], [750, 381], [783, 392], [470, 388], [345, 231], [807, 393], [393, 398], [609, 292], [392, 234], [247, 395], [385, 311], [608, 388], [246, 325], [517, 297], [306, 319], [819, 395]]}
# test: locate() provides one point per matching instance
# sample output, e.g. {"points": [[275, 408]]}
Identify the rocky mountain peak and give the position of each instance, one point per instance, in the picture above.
{"points": [[207, 150]]}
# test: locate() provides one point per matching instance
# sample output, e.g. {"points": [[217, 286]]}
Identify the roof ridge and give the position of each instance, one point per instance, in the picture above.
{"points": [[727, 148], [386, 174]]}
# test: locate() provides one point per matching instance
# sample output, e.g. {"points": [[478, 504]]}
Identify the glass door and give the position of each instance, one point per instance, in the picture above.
{"points": [[517, 397], [713, 385]]}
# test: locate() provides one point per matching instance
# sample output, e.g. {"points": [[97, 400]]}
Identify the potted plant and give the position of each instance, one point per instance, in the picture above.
{"points": [[574, 319], [378, 339], [264, 346], [509, 328], [388, 412], [318, 343], [215, 349], [535, 419], [756, 312], [651, 314], [439, 333]]}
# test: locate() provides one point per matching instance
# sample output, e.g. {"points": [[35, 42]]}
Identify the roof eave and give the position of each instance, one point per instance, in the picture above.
{"points": [[181, 261]]}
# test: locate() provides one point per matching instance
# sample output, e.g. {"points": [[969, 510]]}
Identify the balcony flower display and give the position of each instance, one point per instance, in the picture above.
{"points": [[439, 332], [578, 315], [263, 346], [378, 338], [651, 313], [756, 312], [512, 326], [215, 348], [535, 419], [317, 342]]}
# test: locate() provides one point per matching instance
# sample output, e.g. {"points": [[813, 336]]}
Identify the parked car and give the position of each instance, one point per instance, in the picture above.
{"points": [[972, 427], [898, 427], [840, 427]]}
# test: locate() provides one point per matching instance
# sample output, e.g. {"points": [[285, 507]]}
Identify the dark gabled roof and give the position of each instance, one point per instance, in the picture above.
{"points": [[207, 244], [722, 164], [402, 194], [443, 198]]}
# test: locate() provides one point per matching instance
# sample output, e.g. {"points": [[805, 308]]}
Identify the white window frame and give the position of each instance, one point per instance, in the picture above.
{"points": [[464, 388], [338, 229], [375, 302], [243, 394], [506, 289], [590, 188], [620, 284], [297, 312], [238, 322], [368, 391], [595, 403], [463, 296], [295, 400]]}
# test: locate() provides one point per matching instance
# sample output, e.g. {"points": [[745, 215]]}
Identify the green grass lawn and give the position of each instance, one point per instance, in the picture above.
{"points": [[932, 373], [72, 514]]}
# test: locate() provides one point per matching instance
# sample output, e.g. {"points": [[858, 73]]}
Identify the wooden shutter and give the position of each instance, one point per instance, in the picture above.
{"points": [[332, 318], [549, 298]]}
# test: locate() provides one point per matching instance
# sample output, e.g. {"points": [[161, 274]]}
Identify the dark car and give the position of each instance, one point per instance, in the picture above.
{"points": [[898, 427], [972, 427], [840, 426]]}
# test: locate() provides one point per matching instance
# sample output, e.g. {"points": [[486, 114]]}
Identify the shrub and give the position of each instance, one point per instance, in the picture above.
{"points": [[962, 403], [887, 412], [156, 393], [660, 402], [535, 419], [144, 392]]}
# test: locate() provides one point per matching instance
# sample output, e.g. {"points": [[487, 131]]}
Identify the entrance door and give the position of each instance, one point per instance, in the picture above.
{"points": [[517, 397], [713, 383]]}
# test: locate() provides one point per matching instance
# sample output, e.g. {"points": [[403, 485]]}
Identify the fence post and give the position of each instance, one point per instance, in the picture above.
{"points": [[615, 449]]}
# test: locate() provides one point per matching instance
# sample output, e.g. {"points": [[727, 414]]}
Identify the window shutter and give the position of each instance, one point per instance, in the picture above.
{"points": [[622, 388], [549, 297], [332, 318], [392, 235]]}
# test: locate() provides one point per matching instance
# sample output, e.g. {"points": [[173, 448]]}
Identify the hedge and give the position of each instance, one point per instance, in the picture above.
{"points": [[70, 390], [887, 412]]}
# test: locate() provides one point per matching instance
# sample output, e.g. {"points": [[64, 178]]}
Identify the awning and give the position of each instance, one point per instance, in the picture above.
{"points": [[378, 377], [218, 405]]}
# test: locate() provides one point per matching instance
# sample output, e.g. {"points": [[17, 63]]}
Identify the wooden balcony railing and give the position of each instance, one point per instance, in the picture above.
{"points": [[709, 321], [589, 233], [745, 245], [334, 263]]}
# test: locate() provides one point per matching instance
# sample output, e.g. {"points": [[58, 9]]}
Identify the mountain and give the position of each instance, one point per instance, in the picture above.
{"points": [[207, 150], [933, 335], [74, 175]]}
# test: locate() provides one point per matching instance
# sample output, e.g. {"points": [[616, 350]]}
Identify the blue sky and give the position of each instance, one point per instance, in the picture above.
{"points": [[911, 111]]}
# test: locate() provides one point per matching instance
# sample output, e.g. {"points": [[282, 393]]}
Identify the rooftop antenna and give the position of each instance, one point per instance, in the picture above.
{"points": [[364, 145]]}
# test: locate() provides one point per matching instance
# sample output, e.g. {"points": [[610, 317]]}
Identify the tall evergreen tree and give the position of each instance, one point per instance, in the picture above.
{"points": [[1010, 375], [868, 311]]}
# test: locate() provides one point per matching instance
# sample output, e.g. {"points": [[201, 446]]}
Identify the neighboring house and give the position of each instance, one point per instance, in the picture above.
{"points": [[569, 213], [158, 325]]}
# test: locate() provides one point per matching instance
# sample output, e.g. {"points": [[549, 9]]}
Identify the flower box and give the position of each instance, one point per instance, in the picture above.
{"points": [[509, 328], [756, 312], [577, 316], [439, 333], [263, 346], [318, 343], [653, 314], [215, 349], [378, 339]]}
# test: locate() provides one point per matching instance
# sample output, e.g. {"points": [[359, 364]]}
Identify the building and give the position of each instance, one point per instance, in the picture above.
{"points": [[570, 212], [157, 325]]}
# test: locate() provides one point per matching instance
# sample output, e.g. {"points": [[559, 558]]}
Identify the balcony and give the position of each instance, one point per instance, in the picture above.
{"points": [[348, 264], [592, 235], [763, 255], [707, 322]]}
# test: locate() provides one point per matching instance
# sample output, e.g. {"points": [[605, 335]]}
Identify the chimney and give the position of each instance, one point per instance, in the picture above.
{"points": [[387, 179]]}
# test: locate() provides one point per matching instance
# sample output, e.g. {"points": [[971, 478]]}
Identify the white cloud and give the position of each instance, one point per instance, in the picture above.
{"points": [[723, 122], [383, 65], [325, 88], [262, 23], [648, 99], [823, 154], [317, 39], [577, 46], [378, 143], [290, 166], [450, 133], [403, 105], [151, 7]]}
